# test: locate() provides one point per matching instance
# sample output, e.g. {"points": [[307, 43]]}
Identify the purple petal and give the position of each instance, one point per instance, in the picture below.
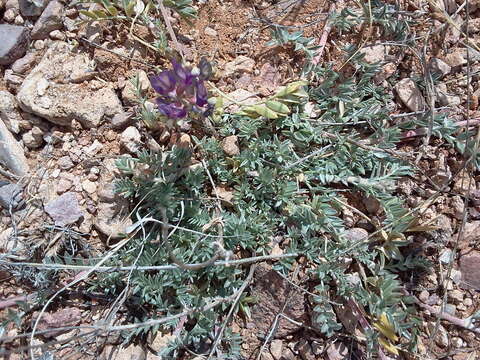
{"points": [[183, 74], [171, 110], [202, 94], [164, 82]]}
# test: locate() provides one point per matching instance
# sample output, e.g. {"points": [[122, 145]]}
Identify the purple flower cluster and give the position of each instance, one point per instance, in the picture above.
{"points": [[182, 90]]}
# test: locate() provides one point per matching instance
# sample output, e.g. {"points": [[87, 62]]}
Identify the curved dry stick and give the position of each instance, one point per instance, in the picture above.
{"points": [[77, 280], [13, 301], [169, 27], [467, 323], [326, 31], [86, 268], [423, 131]]}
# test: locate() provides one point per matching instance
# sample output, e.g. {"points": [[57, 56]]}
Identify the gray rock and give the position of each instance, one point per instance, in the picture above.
{"points": [[70, 24], [456, 296], [9, 15], [473, 55], [12, 4], [276, 348], [63, 185], [129, 94], [240, 64], [39, 44], [11, 195], [30, 8], [11, 153], [13, 81], [131, 139], [210, 32], [450, 309], [65, 163], [230, 145], [457, 342], [52, 91], [9, 113], [410, 95], [33, 139], [456, 276], [107, 193], [24, 64], [355, 235], [121, 120], [51, 19], [18, 20], [64, 210], [443, 98], [441, 336], [458, 206], [112, 214], [446, 257], [375, 53], [13, 43], [57, 35], [440, 67], [423, 296], [456, 58]]}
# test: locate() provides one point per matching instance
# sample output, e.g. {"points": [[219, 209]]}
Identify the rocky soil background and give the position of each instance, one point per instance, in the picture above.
{"points": [[68, 110]]}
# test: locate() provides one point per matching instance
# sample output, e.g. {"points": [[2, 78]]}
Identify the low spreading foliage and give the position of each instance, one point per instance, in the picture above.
{"points": [[303, 152]]}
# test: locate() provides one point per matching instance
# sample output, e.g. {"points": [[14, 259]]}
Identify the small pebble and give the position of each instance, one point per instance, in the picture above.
{"points": [[39, 44], [456, 296], [423, 296], [19, 20], [89, 186], [210, 32], [450, 309], [72, 12], [57, 35], [92, 177], [457, 342], [446, 257], [9, 15]]}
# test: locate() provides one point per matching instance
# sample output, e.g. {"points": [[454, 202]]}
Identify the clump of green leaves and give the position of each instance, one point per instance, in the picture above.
{"points": [[120, 9], [282, 37], [284, 183], [128, 9]]}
